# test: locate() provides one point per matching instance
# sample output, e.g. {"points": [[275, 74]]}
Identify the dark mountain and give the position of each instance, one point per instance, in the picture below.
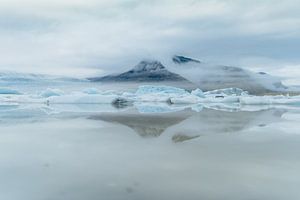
{"points": [[145, 71]]}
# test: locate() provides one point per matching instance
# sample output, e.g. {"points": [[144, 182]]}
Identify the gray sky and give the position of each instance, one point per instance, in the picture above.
{"points": [[87, 37]]}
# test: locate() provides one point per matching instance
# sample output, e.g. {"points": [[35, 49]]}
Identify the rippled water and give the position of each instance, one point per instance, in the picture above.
{"points": [[129, 155]]}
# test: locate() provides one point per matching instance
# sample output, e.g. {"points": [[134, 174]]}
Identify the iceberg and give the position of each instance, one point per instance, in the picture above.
{"points": [[226, 92], [9, 91], [198, 92], [164, 90], [187, 99], [91, 91], [81, 98], [51, 92], [152, 93], [220, 99], [148, 99]]}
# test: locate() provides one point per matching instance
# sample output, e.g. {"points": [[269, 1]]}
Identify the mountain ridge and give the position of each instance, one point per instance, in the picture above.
{"points": [[144, 71]]}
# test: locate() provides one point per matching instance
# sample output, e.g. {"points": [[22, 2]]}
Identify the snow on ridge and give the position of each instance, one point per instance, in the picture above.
{"points": [[148, 66]]}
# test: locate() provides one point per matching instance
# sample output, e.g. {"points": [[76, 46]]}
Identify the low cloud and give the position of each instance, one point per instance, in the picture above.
{"points": [[87, 37]]}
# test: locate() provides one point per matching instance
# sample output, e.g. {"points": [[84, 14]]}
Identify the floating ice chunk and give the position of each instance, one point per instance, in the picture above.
{"points": [[91, 91], [265, 100], [149, 93], [9, 91], [187, 99], [166, 90], [49, 92], [82, 99], [12, 98], [226, 92], [128, 95], [198, 92], [152, 98], [221, 99]]}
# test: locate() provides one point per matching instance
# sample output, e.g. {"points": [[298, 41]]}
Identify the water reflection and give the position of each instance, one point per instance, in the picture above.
{"points": [[185, 122], [187, 125], [145, 125]]}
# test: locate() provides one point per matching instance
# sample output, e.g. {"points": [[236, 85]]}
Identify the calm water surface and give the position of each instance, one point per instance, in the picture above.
{"points": [[128, 155]]}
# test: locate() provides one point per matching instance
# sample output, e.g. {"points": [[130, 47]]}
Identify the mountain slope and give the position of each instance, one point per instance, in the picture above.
{"points": [[145, 71]]}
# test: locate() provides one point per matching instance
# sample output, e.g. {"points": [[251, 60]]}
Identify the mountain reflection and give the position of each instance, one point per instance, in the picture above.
{"points": [[145, 125], [186, 125]]}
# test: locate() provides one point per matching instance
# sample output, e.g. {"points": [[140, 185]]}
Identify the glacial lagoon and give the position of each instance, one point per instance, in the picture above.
{"points": [[128, 154]]}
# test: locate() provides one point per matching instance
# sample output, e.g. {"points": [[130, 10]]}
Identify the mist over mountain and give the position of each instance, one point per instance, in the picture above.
{"points": [[204, 75], [15, 77], [179, 71], [210, 77]]}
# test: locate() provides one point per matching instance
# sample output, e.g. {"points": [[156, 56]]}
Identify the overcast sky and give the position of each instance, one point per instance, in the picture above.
{"points": [[86, 37]]}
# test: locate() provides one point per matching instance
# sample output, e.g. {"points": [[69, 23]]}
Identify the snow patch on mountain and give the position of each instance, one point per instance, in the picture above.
{"points": [[148, 66]]}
